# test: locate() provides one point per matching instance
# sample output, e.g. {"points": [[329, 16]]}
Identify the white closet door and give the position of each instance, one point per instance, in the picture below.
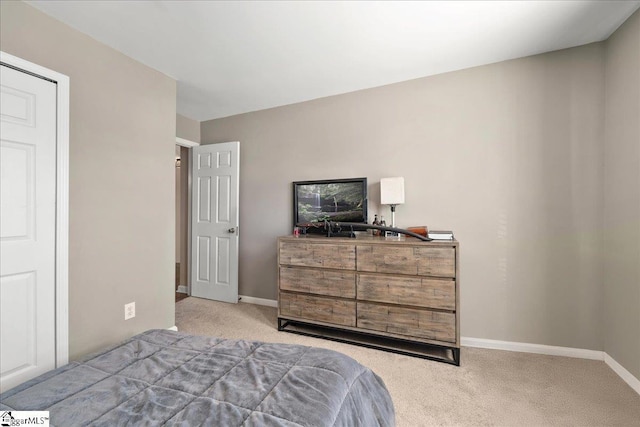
{"points": [[27, 226]]}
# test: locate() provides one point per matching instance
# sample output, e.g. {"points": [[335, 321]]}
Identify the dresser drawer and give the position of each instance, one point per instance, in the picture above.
{"points": [[426, 324], [318, 255], [339, 312], [421, 292], [413, 261], [315, 281]]}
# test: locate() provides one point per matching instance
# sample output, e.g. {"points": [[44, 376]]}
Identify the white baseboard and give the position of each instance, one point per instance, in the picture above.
{"points": [[627, 376], [551, 350], [173, 328], [182, 289], [258, 301]]}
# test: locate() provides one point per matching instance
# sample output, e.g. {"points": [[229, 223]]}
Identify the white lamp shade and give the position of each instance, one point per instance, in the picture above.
{"points": [[392, 191]]}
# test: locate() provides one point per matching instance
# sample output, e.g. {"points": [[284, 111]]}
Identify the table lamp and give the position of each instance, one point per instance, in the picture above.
{"points": [[392, 194]]}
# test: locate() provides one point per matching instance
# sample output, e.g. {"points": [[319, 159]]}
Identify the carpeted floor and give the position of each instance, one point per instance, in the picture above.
{"points": [[490, 387]]}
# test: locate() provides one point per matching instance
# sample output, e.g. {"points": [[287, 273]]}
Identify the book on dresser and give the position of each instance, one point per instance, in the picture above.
{"points": [[440, 235], [399, 295]]}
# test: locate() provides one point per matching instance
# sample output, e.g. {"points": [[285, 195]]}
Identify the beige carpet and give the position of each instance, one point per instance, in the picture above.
{"points": [[491, 387]]}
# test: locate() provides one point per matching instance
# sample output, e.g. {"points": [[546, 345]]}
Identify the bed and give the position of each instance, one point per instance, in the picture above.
{"points": [[163, 377]]}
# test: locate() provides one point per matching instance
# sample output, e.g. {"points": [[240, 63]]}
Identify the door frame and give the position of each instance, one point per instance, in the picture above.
{"points": [[62, 197], [188, 144]]}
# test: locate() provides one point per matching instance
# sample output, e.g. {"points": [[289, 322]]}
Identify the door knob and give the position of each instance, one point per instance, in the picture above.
{"points": [[231, 230]]}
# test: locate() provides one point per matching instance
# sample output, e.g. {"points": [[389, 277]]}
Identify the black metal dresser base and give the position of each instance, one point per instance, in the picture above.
{"points": [[444, 354]]}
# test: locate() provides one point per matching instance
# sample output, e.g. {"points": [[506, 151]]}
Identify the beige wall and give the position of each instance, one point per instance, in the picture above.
{"points": [[122, 144], [508, 155], [622, 197], [187, 128]]}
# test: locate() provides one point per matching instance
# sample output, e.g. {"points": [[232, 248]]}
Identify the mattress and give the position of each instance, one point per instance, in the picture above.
{"points": [[163, 377]]}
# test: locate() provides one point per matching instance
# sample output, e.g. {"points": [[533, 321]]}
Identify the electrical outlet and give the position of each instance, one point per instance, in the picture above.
{"points": [[129, 311]]}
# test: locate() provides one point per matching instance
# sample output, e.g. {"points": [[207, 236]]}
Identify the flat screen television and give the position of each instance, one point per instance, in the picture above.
{"points": [[341, 200]]}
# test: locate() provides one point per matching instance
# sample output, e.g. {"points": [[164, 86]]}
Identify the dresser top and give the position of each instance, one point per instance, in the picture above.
{"points": [[367, 238]]}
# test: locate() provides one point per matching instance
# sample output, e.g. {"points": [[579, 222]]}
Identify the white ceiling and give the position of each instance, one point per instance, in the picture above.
{"points": [[236, 57]]}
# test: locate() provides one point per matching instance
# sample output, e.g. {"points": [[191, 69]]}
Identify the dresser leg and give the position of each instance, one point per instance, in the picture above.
{"points": [[456, 356], [282, 323]]}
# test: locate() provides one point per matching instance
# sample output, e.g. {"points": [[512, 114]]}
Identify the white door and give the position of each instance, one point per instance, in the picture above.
{"points": [[27, 226], [215, 221]]}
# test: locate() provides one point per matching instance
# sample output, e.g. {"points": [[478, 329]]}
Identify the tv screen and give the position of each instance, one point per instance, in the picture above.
{"points": [[341, 200]]}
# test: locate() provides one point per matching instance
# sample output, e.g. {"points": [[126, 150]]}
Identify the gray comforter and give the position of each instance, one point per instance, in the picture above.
{"points": [[164, 377]]}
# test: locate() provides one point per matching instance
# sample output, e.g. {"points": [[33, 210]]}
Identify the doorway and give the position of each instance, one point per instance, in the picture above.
{"points": [[182, 221], [207, 220]]}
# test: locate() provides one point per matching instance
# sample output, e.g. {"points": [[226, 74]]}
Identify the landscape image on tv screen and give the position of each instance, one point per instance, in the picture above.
{"points": [[340, 201]]}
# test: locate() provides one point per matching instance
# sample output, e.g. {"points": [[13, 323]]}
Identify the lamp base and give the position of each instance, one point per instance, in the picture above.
{"points": [[393, 216]]}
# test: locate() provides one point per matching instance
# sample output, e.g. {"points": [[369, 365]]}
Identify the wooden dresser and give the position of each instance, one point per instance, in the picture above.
{"points": [[396, 295]]}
